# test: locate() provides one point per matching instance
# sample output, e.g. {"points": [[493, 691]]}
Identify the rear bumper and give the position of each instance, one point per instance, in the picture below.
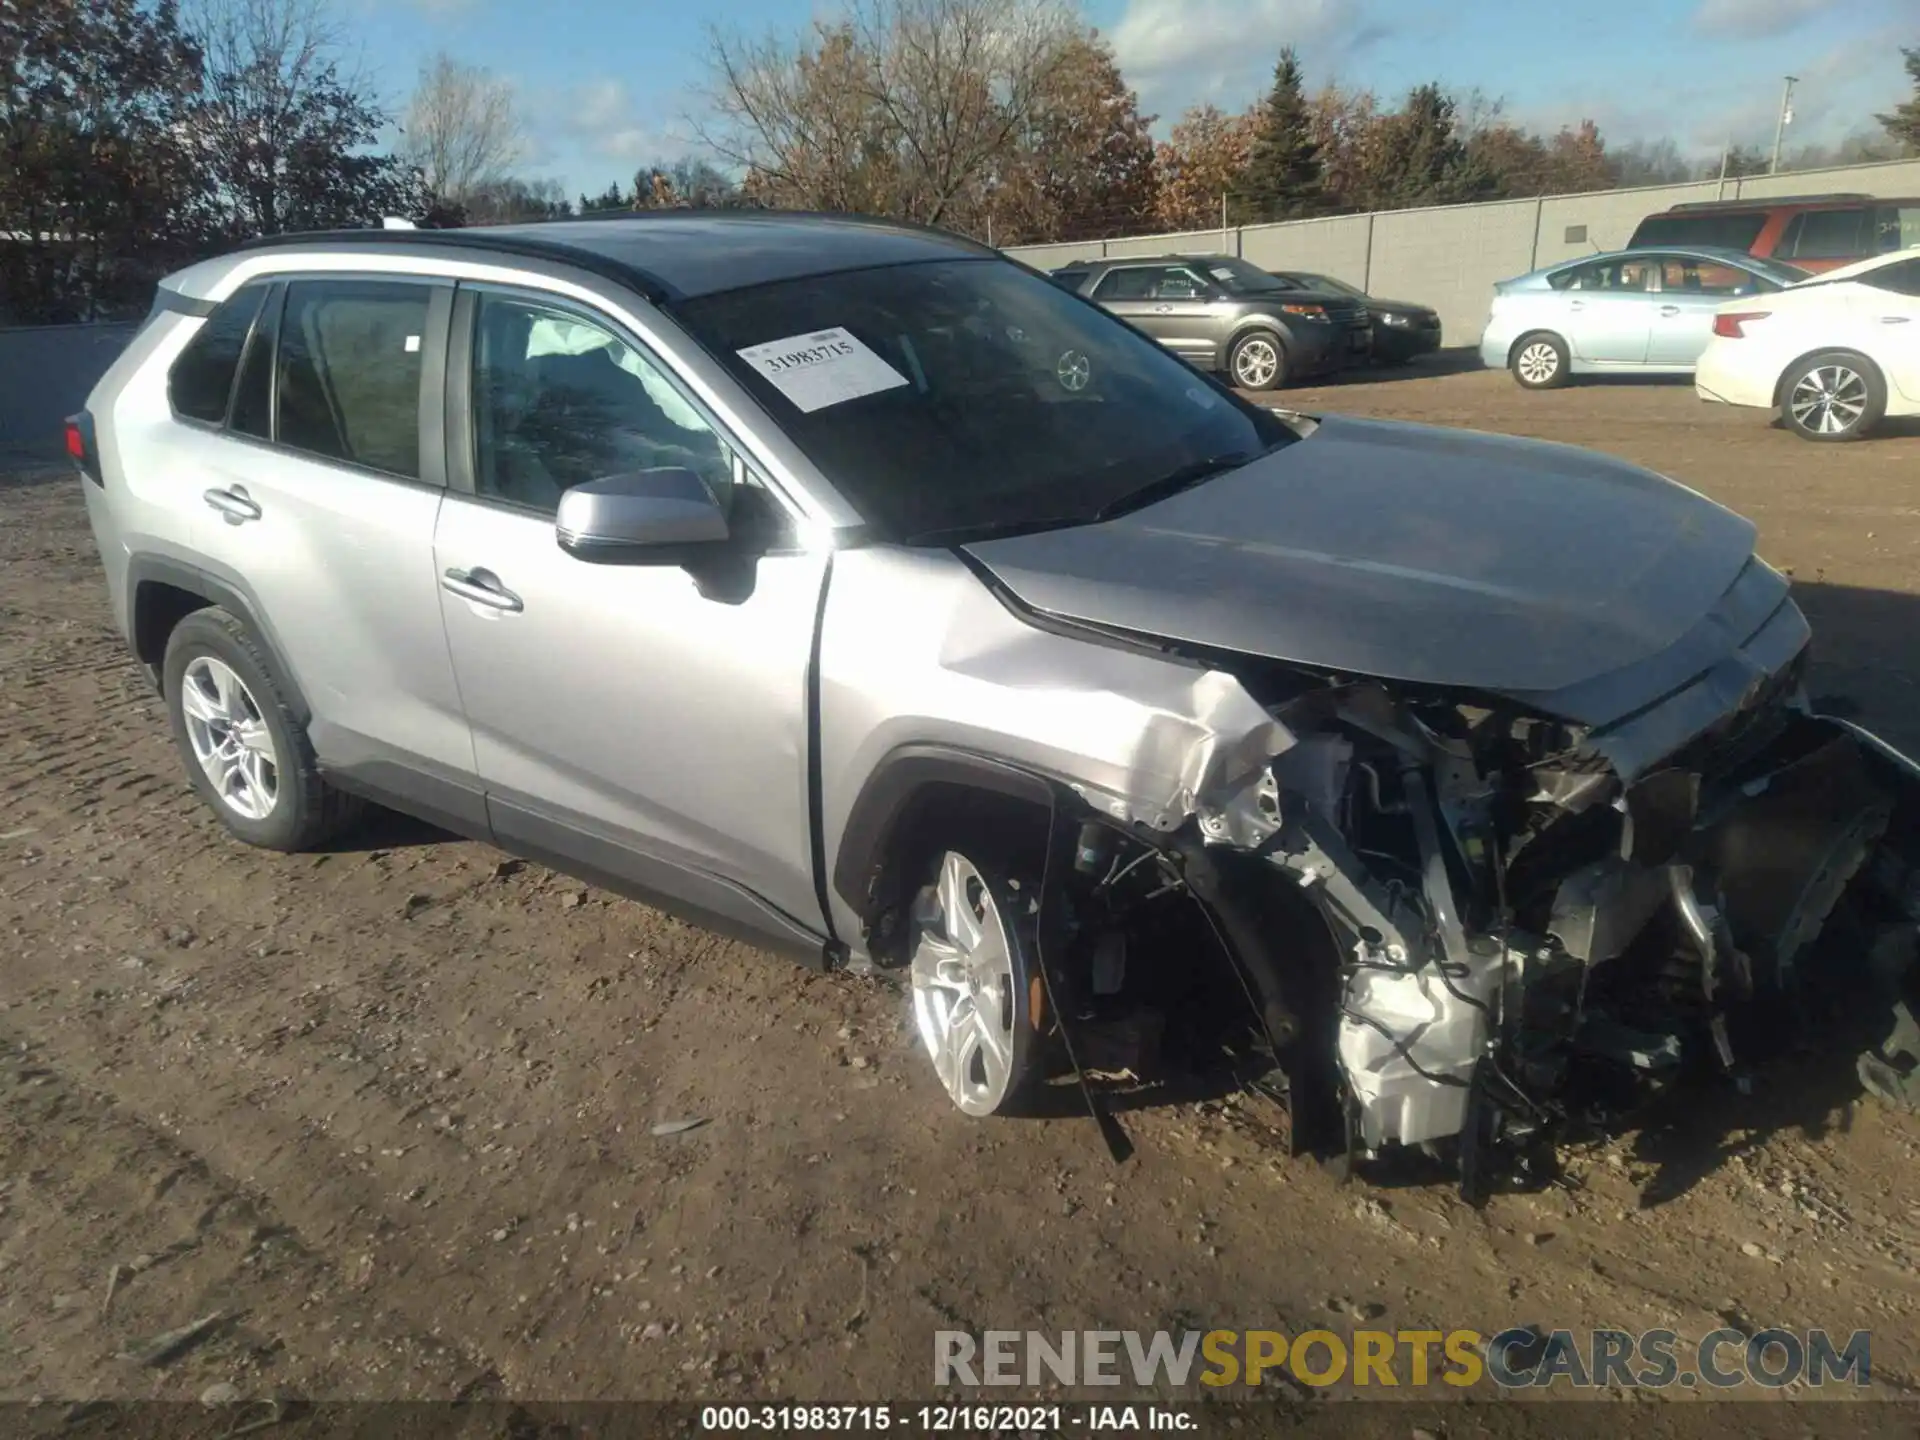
{"points": [[1720, 383]]}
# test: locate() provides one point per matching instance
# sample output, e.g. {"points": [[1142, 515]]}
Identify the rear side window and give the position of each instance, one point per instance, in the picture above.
{"points": [[1139, 283], [201, 380], [1826, 235], [349, 372], [1724, 232], [1901, 279], [1629, 276]]}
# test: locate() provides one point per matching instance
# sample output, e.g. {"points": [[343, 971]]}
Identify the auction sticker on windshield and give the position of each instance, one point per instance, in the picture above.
{"points": [[828, 367]]}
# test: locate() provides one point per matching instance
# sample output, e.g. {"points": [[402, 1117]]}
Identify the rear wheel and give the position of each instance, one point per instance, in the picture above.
{"points": [[976, 983], [1540, 361], [1836, 396], [245, 751]]}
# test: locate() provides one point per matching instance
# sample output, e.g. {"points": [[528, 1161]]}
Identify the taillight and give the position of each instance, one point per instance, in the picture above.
{"points": [[80, 446], [1727, 327]]}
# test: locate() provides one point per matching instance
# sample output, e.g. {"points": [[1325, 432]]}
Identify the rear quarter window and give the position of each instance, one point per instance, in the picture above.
{"points": [[201, 379], [1726, 232]]}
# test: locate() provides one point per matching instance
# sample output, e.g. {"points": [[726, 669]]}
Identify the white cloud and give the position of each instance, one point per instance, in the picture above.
{"points": [[597, 131], [1186, 51], [1755, 19]]}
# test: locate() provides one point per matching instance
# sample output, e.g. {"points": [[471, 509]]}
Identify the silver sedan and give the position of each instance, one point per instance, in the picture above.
{"points": [[1639, 312]]}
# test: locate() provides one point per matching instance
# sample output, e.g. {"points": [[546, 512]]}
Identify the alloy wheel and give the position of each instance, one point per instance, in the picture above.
{"points": [[1255, 364], [1537, 363], [964, 1003], [230, 737], [1829, 399]]}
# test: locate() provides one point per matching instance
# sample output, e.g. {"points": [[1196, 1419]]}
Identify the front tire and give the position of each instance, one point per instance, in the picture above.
{"points": [[976, 984], [1540, 361], [246, 754], [1258, 361], [1833, 397]]}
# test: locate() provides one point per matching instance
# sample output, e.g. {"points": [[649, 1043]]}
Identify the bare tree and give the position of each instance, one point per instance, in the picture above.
{"points": [[461, 131], [908, 107], [283, 123]]}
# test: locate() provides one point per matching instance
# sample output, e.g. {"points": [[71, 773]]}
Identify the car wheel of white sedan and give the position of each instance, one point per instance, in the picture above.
{"points": [[1831, 397], [1540, 361]]}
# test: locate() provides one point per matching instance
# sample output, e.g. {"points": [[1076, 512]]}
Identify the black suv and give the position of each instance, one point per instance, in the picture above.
{"points": [[1223, 314]]}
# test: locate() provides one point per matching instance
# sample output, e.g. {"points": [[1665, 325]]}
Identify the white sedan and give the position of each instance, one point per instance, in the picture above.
{"points": [[1833, 354]]}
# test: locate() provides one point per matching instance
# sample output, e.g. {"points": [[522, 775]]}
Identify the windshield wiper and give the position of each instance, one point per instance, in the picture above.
{"points": [[1172, 483]]}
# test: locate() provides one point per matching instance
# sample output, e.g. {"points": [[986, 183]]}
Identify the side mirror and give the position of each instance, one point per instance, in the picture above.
{"points": [[649, 517]]}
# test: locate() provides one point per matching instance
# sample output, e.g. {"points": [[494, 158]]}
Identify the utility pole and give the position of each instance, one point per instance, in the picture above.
{"points": [[1786, 118], [1225, 248]]}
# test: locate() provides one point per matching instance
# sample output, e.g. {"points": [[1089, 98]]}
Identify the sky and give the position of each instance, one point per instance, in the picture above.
{"points": [[609, 85]]}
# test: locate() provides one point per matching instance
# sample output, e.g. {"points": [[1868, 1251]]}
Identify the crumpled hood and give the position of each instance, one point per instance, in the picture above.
{"points": [[1403, 552]]}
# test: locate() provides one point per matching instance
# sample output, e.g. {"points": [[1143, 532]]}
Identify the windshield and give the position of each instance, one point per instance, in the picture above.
{"points": [[962, 396], [1338, 287], [1238, 277]]}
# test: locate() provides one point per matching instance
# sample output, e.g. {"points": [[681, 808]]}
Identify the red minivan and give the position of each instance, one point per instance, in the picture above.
{"points": [[1815, 232]]}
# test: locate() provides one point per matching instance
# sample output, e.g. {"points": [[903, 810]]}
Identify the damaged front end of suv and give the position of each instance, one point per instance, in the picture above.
{"points": [[1464, 912]]}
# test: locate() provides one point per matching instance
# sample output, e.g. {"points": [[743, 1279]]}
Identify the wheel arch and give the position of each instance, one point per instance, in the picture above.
{"points": [[920, 791], [1539, 332], [161, 592], [1780, 381], [1258, 324]]}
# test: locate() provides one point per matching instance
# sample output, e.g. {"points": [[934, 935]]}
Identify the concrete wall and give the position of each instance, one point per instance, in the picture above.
{"points": [[1450, 257], [45, 374]]}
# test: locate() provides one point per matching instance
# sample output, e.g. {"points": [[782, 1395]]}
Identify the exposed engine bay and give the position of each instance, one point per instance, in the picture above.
{"points": [[1457, 925]]}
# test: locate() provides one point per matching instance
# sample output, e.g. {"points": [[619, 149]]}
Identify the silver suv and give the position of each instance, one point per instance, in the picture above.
{"points": [[850, 587]]}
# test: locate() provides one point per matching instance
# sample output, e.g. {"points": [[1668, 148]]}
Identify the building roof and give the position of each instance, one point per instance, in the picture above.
{"points": [[678, 254]]}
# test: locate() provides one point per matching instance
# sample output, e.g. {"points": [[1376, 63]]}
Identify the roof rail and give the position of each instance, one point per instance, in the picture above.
{"points": [[1759, 202], [749, 214], [477, 238]]}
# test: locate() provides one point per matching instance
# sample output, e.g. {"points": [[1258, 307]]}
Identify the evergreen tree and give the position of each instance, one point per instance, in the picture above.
{"points": [[1282, 180], [1903, 124]]}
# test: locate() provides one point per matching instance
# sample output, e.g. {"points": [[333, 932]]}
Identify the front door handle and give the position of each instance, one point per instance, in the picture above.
{"points": [[1163, 309], [1669, 309], [234, 503], [481, 587], [1895, 319]]}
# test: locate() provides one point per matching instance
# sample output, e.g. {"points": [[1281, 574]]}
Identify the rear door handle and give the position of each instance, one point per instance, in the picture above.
{"points": [[1576, 304], [234, 503], [1895, 319], [1669, 309], [1163, 309], [481, 587]]}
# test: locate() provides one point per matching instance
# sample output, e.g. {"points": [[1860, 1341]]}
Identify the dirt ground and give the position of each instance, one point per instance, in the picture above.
{"points": [[386, 1112]]}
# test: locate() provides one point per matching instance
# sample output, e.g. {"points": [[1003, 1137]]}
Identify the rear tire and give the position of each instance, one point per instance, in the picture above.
{"points": [[1833, 397], [1540, 361], [246, 753]]}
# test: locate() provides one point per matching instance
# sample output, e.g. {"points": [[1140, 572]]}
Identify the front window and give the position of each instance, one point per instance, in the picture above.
{"points": [[968, 396]]}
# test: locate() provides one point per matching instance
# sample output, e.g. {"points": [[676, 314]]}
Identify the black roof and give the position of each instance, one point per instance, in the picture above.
{"points": [[1768, 202], [677, 254]]}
